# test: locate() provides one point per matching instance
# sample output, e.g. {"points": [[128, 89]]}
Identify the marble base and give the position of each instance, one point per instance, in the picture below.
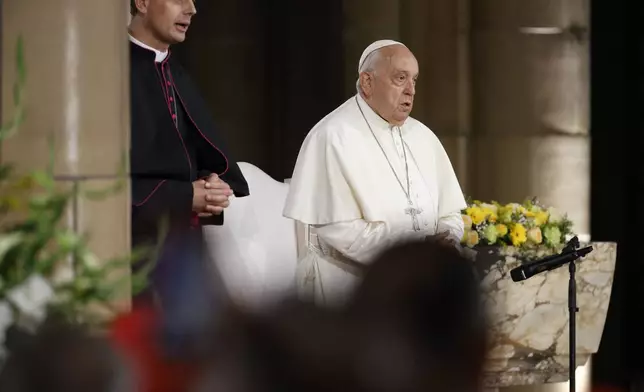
{"points": [[529, 332]]}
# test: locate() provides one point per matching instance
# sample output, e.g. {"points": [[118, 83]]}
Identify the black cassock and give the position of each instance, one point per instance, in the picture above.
{"points": [[173, 143]]}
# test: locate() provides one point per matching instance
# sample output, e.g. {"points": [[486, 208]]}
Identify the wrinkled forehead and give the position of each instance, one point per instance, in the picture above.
{"points": [[173, 2], [399, 59]]}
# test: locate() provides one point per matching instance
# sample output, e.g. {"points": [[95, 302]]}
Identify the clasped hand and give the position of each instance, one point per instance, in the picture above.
{"points": [[210, 196], [442, 238]]}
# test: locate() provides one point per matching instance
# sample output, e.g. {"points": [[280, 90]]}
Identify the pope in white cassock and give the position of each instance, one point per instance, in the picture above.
{"points": [[369, 176]]}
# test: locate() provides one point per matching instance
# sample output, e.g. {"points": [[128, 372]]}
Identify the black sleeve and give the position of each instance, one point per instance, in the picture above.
{"points": [[152, 199], [215, 220], [233, 175]]}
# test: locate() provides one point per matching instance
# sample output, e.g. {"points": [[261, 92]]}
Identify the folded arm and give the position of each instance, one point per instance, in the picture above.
{"points": [[453, 224], [152, 199], [360, 240]]}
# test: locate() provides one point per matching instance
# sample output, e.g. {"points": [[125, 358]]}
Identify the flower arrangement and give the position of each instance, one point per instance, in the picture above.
{"points": [[47, 270], [524, 226]]}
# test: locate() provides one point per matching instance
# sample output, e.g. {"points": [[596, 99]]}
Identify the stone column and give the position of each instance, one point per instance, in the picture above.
{"points": [[530, 109], [77, 92], [530, 74], [437, 32]]}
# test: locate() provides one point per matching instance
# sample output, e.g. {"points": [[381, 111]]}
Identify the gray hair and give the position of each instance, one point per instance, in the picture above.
{"points": [[369, 65]]}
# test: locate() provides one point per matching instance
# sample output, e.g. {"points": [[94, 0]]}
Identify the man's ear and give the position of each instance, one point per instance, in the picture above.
{"points": [[366, 83], [142, 5]]}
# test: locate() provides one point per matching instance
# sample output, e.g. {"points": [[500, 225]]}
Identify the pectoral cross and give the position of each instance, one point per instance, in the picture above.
{"points": [[414, 212]]}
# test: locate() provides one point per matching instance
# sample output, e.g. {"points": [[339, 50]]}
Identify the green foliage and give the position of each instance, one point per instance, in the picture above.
{"points": [[40, 243], [11, 127]]}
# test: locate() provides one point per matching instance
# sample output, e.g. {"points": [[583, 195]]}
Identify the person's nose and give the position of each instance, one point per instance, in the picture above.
{"points": [[410, 89], [191, 8]]}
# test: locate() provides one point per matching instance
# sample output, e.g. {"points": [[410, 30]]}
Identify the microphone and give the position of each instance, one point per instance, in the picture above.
{"points": [[571, 245], [528, 270]]}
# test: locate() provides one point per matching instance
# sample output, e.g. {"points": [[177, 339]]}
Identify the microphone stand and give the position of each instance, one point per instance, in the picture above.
{"points": [[572, 326], [570, 254], [572, 245]]}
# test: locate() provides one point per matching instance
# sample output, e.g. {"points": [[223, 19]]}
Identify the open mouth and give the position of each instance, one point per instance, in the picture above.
{"points": [[183, 27], [406, 105]]}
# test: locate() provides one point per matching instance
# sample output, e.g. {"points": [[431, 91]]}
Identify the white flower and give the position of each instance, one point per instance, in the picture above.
{"points": [[554, 215], [32, 297], [515, 206]]}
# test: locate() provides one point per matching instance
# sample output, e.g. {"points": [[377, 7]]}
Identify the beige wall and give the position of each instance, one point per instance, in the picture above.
{"points": [[78, 92]]}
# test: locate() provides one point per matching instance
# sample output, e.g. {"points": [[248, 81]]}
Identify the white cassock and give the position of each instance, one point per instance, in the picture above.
{"points": [[350, 185]]}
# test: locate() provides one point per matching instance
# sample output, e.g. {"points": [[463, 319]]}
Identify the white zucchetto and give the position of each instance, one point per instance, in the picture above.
{"points": [[375, 46]]}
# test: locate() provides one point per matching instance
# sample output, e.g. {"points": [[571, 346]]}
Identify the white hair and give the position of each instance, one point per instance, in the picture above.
{"points": [[369, 65]]}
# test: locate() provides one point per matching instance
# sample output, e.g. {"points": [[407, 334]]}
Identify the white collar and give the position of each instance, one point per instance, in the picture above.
{"points": [[160, 56], [374, 118]]}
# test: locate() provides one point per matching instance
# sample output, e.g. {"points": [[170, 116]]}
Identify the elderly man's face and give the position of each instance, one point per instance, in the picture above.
{"points": [[168, 20], [391, 88]]}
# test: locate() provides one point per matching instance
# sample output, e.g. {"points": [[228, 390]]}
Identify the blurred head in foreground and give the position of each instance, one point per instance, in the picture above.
{"points": [[415, 324], [63, 358]]}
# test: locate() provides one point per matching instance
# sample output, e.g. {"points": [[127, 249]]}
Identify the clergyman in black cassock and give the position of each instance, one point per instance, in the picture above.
{"points": [[174, 144]]}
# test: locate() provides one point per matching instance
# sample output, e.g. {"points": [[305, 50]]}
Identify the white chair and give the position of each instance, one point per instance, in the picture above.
{"points": [[256, 249]]}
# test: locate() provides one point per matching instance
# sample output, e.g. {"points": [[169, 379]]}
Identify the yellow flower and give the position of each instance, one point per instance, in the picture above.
{"points": [[518, 234], [477, 215], [467, 221], [471, 238], [505, 214], [541, 218], [489, 214], [534, 235], [501, 229], [527, 213], [492, 207]]}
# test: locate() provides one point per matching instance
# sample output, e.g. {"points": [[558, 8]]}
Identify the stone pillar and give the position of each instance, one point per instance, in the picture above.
{"points": [[530, 74], [530, 109], [437, 32], [77, 92]]}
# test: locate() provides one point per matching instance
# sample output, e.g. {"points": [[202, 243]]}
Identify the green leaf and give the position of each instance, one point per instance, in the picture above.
{"points": [[44, 180], [68, 240], [49, 262], [114, 188], [99, 194], [8, 242]]}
